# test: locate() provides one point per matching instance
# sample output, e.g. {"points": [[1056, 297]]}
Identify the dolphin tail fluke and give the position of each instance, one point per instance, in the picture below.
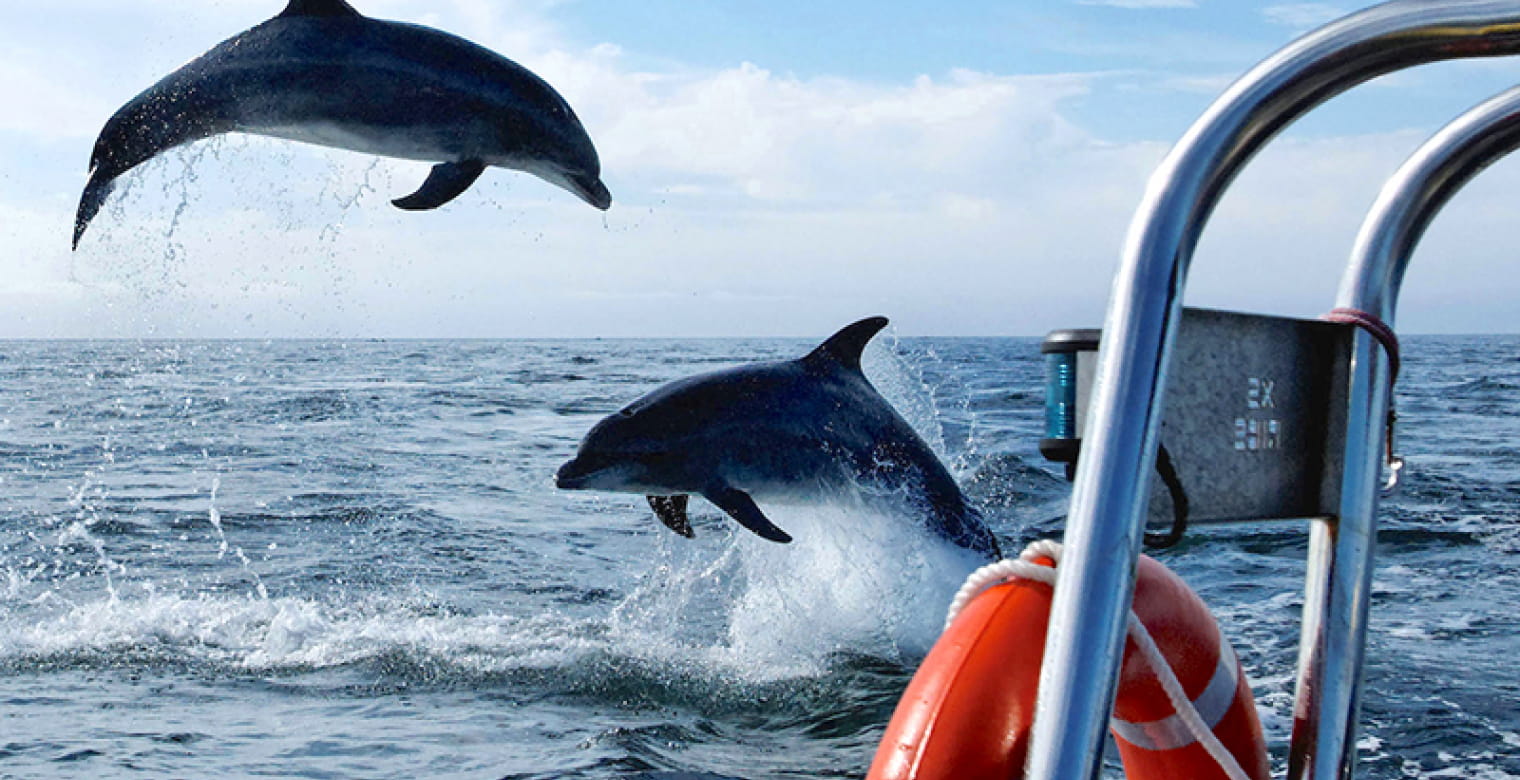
{"points": [[447, 182], [672, 512], [844, 348], [741, 508], [90, 203]]}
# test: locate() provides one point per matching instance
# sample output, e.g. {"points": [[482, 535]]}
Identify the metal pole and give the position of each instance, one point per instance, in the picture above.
{"points": [[1096, 579], [1333, 643]]}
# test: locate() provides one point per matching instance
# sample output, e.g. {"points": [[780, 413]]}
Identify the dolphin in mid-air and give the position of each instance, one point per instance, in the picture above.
{"points": [[793, 429], [324, 74]]}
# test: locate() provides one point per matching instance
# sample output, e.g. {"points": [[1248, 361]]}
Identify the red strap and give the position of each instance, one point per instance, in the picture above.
{"points": [[1385, 336], [1376, 328]]}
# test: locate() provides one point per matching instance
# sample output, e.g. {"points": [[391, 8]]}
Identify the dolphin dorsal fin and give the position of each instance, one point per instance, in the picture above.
{"points": [[319, 8], [844, 348]]}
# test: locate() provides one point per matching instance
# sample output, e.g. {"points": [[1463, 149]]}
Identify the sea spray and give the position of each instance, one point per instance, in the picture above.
{"points": [[862, 576], [859, 578], [903, 385]]}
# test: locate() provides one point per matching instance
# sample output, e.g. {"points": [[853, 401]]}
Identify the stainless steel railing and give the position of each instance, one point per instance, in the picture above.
{"points": [[1340, 569], [1085, 638]]}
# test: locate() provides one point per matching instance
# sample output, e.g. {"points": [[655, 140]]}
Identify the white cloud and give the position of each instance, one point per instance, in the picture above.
{"points": [[1282, 235], [1302, 16], [747, 201], [784, 140]]}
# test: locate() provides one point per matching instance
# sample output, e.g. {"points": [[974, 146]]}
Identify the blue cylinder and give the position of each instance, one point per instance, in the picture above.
{"points": [[1061, 395], [1066, 352]]}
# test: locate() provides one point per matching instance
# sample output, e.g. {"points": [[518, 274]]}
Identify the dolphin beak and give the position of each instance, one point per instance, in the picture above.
{"points": [[572, 475], [592, 190]]}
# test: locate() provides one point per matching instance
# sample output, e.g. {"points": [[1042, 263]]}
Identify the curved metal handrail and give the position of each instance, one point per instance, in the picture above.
{"points": [[1084, 642], [1418, 191], [1340, 570]]}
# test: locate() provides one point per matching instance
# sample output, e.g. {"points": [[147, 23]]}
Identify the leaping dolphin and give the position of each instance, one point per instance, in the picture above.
{"points": [[790, 429], [324, 74]]}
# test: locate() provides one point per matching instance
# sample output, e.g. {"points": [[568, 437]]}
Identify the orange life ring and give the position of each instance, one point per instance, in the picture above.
{"points": [[967, 713]]}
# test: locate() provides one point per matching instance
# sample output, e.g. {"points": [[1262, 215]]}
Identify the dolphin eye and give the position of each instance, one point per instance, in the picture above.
{"points": [[626, 411]]}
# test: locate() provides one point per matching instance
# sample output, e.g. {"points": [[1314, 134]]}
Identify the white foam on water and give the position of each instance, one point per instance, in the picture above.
{"points": [[1468, 771], [856, 579], [262, 634], [1503, 538], [1275, 725], [859, 579]]}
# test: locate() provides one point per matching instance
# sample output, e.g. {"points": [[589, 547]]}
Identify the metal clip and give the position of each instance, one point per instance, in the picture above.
{"points": [[1395, 462], [1395, 471]]}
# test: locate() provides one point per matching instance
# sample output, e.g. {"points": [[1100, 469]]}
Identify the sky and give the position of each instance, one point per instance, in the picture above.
{"points": [[778, 169]]}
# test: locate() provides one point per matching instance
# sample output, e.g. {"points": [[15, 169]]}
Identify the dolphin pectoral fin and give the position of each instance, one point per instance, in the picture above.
{"points": [[444, 184], [672, 512], [741, 507]]}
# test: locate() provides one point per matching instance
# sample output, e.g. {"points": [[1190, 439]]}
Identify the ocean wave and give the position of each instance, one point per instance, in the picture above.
{"points": [[1484, 387], [321, 406], [732, 611], [251, 634]]}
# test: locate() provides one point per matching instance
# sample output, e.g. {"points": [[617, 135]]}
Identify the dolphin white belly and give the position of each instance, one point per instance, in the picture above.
{"points": [[367, 139]]}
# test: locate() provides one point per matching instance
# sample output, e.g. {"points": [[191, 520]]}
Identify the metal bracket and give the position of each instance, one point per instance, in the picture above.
{"points": [[1254, 418]]}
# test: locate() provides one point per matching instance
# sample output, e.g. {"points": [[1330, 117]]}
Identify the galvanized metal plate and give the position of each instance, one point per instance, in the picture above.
{"points": [[1255, 416]]}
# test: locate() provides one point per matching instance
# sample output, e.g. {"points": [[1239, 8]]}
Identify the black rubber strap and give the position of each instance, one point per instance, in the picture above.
{"points": [[1168, 474]]}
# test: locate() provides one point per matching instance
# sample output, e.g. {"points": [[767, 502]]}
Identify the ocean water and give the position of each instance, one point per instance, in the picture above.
{"points": [[348, 560]]}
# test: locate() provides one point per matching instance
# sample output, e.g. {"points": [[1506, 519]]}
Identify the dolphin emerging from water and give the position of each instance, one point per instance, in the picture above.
{"points": [[791, 429], [324, 74]]}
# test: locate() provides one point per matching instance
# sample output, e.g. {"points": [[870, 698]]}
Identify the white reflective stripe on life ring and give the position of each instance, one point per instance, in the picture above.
{"points": [[1170, 733]]}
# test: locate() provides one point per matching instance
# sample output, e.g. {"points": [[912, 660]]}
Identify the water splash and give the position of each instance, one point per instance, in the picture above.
{"points": [[347, 197], [856, 580], [215, 516], [862, 576], [86, 515], [79, 531], [903, 385]]}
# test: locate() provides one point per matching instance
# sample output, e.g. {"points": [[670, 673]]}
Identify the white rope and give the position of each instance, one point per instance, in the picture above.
{"points": [[1006, 570], [1181, 704], [1024, 568]]}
